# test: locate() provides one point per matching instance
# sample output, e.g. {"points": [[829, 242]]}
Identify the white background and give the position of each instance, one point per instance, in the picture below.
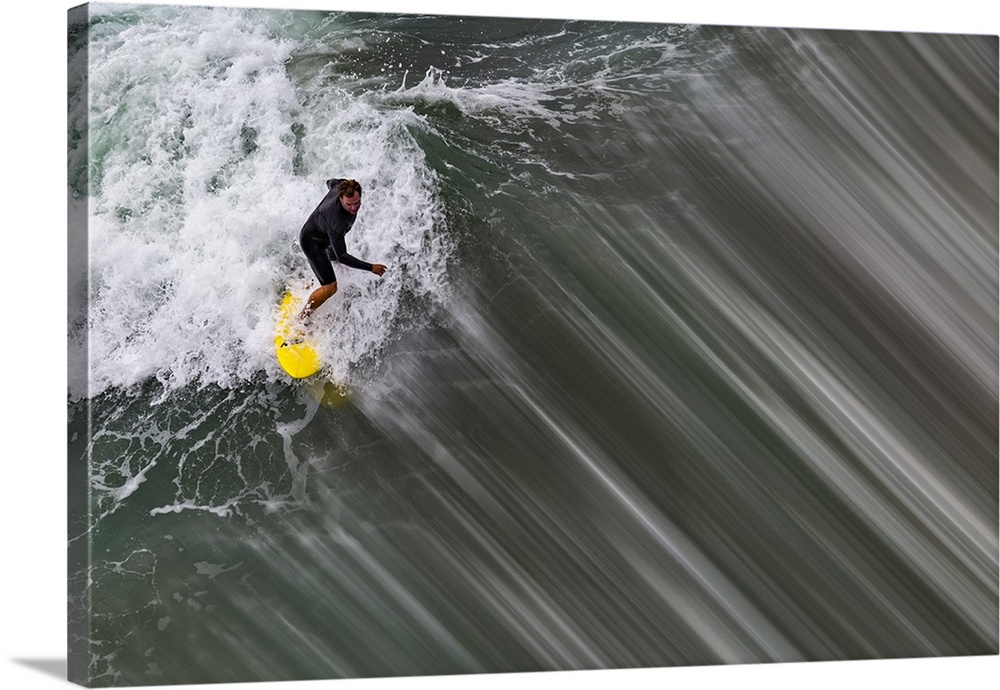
{"points": [[33, 488]]}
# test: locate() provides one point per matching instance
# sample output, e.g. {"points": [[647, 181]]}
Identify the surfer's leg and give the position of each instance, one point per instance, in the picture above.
{"points": [[321, 265], [316, 299]]}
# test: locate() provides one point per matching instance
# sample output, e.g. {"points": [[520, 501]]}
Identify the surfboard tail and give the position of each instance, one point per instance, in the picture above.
{"points": [[296, 354]]}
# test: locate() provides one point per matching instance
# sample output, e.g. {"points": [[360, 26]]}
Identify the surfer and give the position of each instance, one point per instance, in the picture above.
{"points": [[322, 240]]}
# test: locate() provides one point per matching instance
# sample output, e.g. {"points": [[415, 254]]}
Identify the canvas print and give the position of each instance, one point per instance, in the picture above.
{"points": [[407, 345]]}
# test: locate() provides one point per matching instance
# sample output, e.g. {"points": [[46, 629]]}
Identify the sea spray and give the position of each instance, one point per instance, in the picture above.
{"points": [[206, 158]]}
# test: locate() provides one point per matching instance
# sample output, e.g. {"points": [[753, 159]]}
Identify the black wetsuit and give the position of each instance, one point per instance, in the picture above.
{"points": [[322, 237]]}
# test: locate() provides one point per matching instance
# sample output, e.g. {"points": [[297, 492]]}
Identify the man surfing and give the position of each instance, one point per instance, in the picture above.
{"points": [[322, 240]]}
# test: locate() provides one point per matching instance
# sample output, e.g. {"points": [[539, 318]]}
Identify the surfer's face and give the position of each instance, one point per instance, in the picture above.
{"points": [[351, 203]]}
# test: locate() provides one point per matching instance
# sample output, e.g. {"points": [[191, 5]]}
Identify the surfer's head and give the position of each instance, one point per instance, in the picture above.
{"points": [[349, 192]]}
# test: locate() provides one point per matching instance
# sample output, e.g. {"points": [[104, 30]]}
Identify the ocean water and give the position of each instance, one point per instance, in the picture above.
{"points": [[687, 351]]}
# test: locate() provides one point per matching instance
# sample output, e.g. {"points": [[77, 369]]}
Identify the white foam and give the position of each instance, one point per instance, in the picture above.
{"points": [[197, 201], [514, 99]]}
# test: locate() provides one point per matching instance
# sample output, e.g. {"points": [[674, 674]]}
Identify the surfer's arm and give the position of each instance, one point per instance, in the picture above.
{"points": [[340, 254], [331, 183]]}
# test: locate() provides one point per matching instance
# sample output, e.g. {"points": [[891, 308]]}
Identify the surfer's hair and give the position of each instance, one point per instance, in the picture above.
{"points": [[348, 188]]}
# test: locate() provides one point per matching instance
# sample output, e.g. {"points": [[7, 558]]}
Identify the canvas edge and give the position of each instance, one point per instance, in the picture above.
{"points": [[78, 414]]}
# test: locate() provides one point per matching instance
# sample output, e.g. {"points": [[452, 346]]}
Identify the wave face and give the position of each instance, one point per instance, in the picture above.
{"points": [[687, 353]]}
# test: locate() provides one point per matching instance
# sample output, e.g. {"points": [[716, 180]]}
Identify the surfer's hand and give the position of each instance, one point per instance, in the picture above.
{"points": [[378, 269]]}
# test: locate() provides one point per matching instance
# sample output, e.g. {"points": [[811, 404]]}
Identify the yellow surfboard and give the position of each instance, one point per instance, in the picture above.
{"points": [[296, 354]]}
